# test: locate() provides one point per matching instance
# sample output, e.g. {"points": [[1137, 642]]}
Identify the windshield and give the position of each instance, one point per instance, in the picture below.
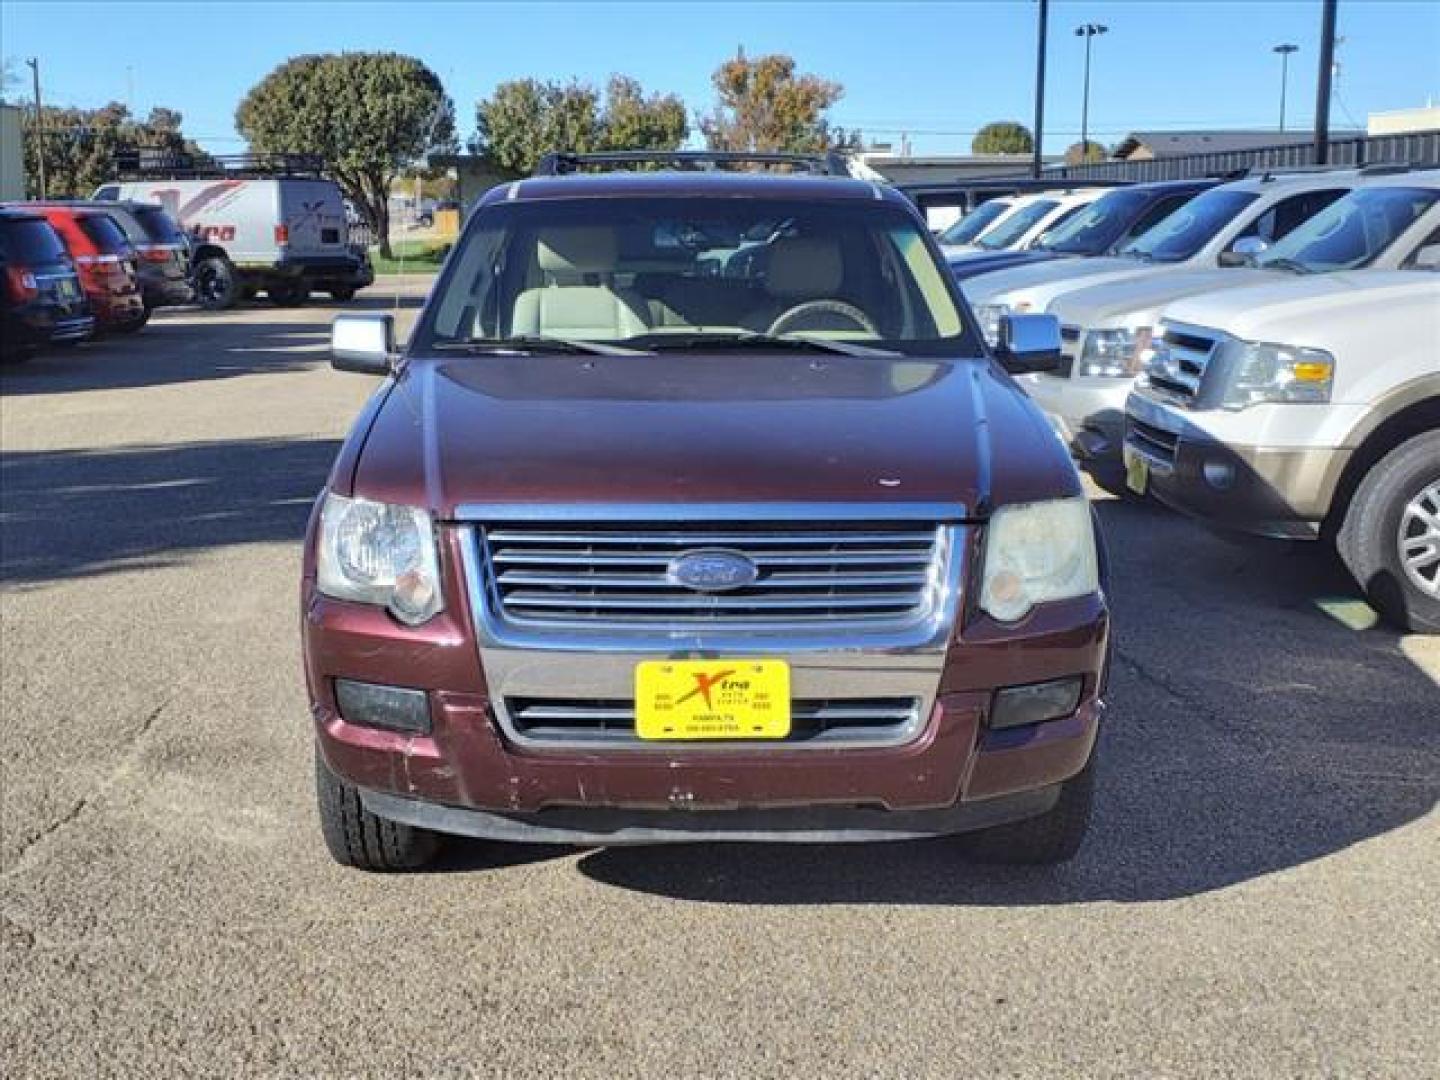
{"points": [[159, 226], [1352, 231], [1191, 227], [974, 223], [674, 273], [1097, 226], [1010, 230], [28, 242]]}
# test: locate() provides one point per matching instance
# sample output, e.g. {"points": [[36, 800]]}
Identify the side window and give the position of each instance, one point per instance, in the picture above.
{"points": [[1157, 213], [110, 192], [1286, 214]]}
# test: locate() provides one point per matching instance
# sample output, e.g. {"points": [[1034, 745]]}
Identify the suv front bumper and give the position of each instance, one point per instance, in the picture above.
{"points": [[1088, 414], [1277, 492]]}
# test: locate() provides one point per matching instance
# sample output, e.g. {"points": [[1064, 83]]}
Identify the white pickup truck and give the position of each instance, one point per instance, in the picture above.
{"points": [[1211, 230], [1384, 225], [1304, 409]]}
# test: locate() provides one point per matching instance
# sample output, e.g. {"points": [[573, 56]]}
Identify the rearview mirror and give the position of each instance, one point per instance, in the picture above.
{"points": [[363, 343], [1029, 343], [1243, 251]]}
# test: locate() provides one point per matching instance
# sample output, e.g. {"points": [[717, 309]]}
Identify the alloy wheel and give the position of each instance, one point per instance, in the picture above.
{"points": [[1419, 540]]}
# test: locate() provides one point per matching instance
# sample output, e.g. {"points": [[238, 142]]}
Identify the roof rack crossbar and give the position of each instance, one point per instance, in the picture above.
{"points": [[142, 163], [559, 163]]}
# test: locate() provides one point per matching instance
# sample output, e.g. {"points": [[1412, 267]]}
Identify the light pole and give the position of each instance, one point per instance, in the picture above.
{"points": [[1087, 31], [1284, 50], [1037, 159], [34, 65]]}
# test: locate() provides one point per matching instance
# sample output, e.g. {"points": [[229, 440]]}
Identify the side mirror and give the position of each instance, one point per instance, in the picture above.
{"points": [[1029, 343], [1243, 251], [363, 343]]}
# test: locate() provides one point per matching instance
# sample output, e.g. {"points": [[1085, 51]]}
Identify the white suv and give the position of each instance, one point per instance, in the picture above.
{"points": [[1381, 225], [1029, 218], [1211, 230], [1305, 408]]}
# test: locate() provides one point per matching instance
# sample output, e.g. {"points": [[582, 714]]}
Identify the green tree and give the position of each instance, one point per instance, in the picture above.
{"points": [[763, 105], [526, 118], [1080, 153], [369, 115], [80, 145], [1003, 137]]}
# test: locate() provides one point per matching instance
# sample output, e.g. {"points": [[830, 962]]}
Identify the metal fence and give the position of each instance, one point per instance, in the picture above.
{"points": [[1414, 148]]}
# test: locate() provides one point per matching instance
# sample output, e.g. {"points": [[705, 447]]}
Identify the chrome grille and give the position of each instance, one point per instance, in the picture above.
{"points": [[880, 576], [1178, 367], [842, 722]]}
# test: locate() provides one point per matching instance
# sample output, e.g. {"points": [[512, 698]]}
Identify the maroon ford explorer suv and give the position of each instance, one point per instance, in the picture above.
{"points": [[696, 509]]}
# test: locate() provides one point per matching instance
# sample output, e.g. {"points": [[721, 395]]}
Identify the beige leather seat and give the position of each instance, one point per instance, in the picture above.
{"points": [[579, 298]]}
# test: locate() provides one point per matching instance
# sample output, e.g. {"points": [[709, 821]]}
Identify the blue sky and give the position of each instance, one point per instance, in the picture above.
{"points": [[935, 70]]}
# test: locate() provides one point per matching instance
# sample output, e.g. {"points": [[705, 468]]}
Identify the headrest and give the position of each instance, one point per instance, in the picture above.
{"points": [[804, 266], [581, 249]]}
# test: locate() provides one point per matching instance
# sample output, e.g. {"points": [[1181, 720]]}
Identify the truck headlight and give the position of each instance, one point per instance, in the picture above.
{"points": [[380, 554], [989, 316], [1267, 372], [1113, 353], [1036, 552]]}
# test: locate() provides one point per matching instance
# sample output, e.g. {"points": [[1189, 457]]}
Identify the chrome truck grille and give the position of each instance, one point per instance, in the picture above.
{"points": [[1177, 369], [863, 577]]}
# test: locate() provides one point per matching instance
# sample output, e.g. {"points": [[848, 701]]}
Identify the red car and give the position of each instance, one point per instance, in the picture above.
{"points": [[697, 509], [106, 263]]}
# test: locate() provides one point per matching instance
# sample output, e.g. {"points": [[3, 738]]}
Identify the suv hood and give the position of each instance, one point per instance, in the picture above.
{"points": [[708, 428], [1305, 310], [1038, 284], [1137, 301]]}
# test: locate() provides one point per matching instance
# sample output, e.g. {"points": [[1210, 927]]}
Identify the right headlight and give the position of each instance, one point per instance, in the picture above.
{"points": [[1113, 353], [1036, 552], [1267, 372], [379, 553], [989, 316]]}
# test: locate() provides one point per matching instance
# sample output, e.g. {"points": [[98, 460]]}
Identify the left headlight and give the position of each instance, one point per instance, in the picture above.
{"points": [[378, 553], [1036, 552], [1283, 373], [989, 316], [1113, 353]]}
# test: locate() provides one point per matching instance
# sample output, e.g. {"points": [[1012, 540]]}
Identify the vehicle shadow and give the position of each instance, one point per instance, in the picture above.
{"points": [[70, 513], [1249, 732]]}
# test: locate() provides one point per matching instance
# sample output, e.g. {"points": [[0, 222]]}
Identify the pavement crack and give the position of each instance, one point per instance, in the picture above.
{"points": [[127, 757], [1191, 701]]}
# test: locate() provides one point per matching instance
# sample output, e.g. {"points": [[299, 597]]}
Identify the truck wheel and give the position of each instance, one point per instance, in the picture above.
{"points": [[343, 293], [288, 293], [136, 324], [1390, 538], [1053, 837], [356, 837], [217, 286]]}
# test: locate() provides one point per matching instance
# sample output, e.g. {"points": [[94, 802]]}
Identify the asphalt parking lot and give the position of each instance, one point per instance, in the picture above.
{"points": [[1260, 895]]}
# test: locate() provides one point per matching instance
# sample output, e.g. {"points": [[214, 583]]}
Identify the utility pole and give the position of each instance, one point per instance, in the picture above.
{"points": [[1322, 90], [1087, 31], [1035, 163], [34, 63], [1284, 51]]}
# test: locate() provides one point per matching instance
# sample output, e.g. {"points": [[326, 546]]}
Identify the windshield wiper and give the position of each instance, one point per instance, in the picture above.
{"points": [[664, 342], [1284, 264], [527, 343], [1136, 253]]}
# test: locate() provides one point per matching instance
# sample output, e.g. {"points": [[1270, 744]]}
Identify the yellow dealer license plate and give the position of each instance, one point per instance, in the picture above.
{"points": [[712, 699], [1137, 472]]}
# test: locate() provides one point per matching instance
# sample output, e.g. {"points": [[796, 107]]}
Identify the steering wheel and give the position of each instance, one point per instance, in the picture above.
{"points": [[787, 319]]}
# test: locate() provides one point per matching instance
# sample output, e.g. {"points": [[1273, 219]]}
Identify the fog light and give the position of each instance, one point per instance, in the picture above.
{"points": [[1219, 475], [1036, 703], [393, 708]]}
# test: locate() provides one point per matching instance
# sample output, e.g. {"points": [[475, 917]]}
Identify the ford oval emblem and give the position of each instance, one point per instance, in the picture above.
{"points": [[711, 570]]}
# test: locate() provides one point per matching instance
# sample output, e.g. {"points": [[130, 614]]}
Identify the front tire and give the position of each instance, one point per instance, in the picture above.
{"points": [[136, 325], [343, 293], [217, 285], [1390, 538], [356, 837], [288, 293], [1053, 837]]}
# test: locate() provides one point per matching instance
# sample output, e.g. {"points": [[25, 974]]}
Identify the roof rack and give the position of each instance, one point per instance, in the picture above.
{"points": [[559, 163], [154, 164]]}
